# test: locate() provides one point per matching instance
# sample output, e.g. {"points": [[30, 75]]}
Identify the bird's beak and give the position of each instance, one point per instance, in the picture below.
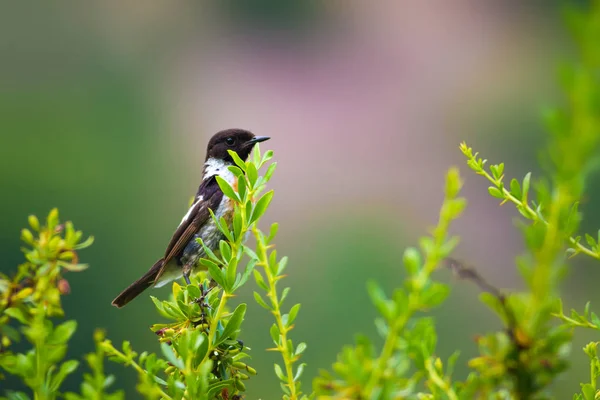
{"points": [[257, 139]]}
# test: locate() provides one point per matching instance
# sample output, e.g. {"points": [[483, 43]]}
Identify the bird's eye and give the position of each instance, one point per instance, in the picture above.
{"points": [[230, 141]]}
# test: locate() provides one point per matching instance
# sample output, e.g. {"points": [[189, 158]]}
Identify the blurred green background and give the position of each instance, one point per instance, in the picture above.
{"points": [[106, 107]]}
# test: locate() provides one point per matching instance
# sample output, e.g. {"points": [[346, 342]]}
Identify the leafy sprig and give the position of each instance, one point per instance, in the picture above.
{"points": [[358, 372], [519, 194], [31, 298]]}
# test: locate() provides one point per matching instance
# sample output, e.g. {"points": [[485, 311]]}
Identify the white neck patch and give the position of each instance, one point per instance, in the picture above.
{"points": [[215, 166]]}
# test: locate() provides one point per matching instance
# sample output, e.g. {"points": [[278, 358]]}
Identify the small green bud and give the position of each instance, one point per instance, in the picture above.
{"points": [[240, 385], [99, 335], [169, 332], [66, 256], [52, 220], [34, 223], [243, 376], [27, 236], [170, 369], [453, 182], [54, 242], [250, 370]]}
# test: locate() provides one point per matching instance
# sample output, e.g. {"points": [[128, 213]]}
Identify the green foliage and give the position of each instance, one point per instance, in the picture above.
{"points": [[202, 355], [31, 302], [94, 385], [409, 338], [523, 359]]}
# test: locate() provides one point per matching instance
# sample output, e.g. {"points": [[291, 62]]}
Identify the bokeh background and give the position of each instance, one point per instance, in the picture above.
{"points": [[106, 108]]}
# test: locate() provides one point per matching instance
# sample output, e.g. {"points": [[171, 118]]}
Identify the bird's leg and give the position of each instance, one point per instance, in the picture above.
{"points": [[186, 274]]}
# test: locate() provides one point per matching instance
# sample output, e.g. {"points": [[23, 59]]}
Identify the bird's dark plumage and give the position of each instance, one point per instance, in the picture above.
{"points": [[183, 250]]}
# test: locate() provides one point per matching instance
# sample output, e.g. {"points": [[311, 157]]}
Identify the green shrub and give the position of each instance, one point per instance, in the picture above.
{"points": [[202, 352]]}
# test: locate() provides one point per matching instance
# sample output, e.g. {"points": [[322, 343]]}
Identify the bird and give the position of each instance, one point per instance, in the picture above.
{"points": [[183, 251]]}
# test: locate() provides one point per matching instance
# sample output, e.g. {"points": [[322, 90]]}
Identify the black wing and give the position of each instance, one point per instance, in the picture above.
{"points": [[208, 197]]}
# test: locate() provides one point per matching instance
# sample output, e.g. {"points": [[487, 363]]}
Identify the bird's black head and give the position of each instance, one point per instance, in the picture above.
{"points": [[238, 140]]}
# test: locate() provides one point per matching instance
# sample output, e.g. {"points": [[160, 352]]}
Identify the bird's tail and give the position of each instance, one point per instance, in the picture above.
{"points": [[137, 287]]}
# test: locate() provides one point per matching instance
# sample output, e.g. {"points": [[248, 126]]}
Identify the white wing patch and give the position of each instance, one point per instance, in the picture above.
{"points": [[187, 215]]}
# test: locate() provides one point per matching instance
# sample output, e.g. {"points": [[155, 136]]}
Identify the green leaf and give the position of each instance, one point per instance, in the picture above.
{"points": [[268, 155], [73, 267], [215, 272], [279, 372], [18, 396], [595, 320], [515, 188], [207, 250], [494, 303], [281, 265], [224, 228], [300, 349], [87, 243], [66, 368], [227, 189], [244, 277], [412, 260], [160, 308], [261, 302], [292, 314], [261, 206], [233, 325], [193, 292], [237, 224], [225, 250], [62, 333], [385, 307], [526, 183], [242, 189], [231, 273], [237, 160], [299, 372], [218, 386], [284, 294], [260, 280], [588, 391], [236, 171], [275, 228], [495, 192], [171, 357], [270, 171], [435, 294], [18, 314], [250, 252], [590, 240], [274, 331], [252, 174]]}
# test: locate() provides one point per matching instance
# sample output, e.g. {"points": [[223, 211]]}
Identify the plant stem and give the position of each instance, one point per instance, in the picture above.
{"points": [[387, 351], [41, 369], [282, 346]]}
